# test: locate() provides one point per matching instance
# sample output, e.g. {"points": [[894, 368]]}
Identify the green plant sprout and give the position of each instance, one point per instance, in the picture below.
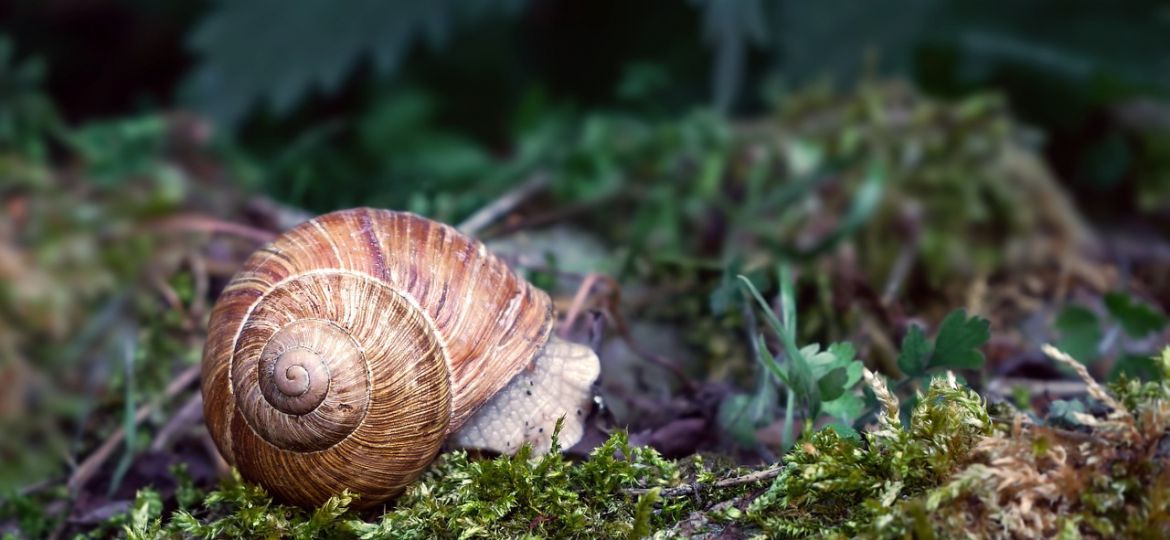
{"points": [[817, 381]]}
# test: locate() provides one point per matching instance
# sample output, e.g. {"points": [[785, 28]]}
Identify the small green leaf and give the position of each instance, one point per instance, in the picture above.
{"points": [[845, 408], [915, 353], [845, 431], [832, 385], [1080, 332], [958, 341], [1138, 319]]}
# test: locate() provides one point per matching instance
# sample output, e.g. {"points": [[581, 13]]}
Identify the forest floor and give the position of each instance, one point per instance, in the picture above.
{"points": [[872, 315]]}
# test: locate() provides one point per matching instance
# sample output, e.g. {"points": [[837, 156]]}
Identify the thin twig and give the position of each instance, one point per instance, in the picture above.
{"points": [[85, 471], [202, 285], [171, 297], [189, 414], [503, 204], [578, 304], [910, 221], [1003, 386], [902, 266], [208, 224], [555, 215], [758, 476]]}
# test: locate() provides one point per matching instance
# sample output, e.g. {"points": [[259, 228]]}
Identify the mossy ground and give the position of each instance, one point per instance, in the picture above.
{"points": [[955, 470]]}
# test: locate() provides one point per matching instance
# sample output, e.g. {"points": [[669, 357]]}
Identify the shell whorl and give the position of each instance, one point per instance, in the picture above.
{"points": [[344, 353]]}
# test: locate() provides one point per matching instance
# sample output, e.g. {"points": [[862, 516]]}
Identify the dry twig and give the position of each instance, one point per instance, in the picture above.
{"points": [[504, 204], [688, 489], [85, 471], [208, 224]]}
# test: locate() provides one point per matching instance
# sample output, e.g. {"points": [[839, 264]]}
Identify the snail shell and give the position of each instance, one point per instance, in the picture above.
{"points": [[348, 350]]}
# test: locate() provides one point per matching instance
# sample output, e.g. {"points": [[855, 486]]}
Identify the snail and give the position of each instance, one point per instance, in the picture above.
{"points": [[346, 353]]}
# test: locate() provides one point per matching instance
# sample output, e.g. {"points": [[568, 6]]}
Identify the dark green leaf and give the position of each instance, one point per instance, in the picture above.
{"points": [[832, 385], [845, 431], [1134, 366], [915, 352], [958, 341], [1080, 332], [1137, 318]]}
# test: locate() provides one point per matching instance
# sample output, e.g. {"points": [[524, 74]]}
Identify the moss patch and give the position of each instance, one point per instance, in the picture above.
{"points": [[954, 470]]}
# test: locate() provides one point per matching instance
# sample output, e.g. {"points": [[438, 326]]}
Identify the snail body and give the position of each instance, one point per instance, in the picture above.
{"points": [[346, 352]]}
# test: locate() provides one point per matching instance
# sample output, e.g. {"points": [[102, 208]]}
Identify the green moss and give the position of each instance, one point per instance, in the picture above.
{"points": [[29, 514], [1109, 478], [459, 497], [952, 471], [839, 486], [510, 497]]}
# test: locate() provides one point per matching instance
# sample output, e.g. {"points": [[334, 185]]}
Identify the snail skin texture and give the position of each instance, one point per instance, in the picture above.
{"points": [[346, 352]]}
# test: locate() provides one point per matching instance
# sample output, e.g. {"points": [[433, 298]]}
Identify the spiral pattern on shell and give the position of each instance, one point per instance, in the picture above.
{"points": [[344, 353]]}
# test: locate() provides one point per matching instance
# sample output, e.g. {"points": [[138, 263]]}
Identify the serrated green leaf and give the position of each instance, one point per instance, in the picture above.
{"points": [[242, 62], [958, 341], [915, 354], [1138, 319]]}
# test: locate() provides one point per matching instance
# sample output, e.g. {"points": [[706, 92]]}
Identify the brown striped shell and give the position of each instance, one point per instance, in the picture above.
{"points": [[345, 352]]}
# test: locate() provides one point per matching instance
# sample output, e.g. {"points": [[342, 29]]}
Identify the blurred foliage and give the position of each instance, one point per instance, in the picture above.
{"points": [[26, 114], [804, 153], [244, 47], [1120, 328], [1060, 65], [82, 342]]}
